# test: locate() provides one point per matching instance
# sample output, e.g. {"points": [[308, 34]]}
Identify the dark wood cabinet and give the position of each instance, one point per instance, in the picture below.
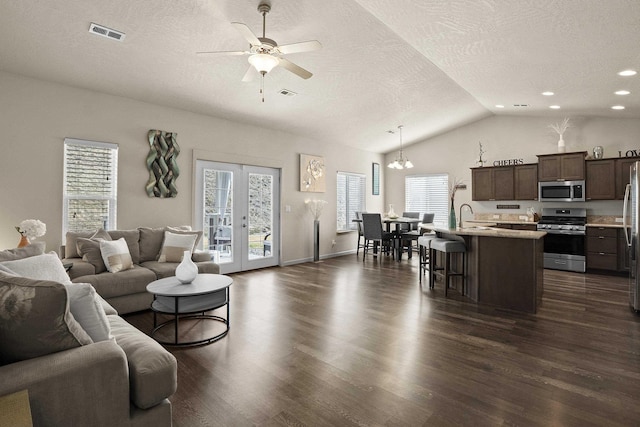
{"points": [[622, 174], [602, 248], [526, 182], [561, 167], [600, 179], [492, 183], [623, 251]]}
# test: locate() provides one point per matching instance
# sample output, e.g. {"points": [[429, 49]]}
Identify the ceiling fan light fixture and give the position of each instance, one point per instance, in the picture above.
{"points": [[263, 62]]}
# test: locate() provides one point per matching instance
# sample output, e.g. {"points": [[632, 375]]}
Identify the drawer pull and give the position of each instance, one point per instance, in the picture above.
{"points": [[601, 253], [600, 237]]}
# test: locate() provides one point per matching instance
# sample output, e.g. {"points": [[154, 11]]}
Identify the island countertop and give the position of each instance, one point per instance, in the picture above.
{"points": [[487, 231]]}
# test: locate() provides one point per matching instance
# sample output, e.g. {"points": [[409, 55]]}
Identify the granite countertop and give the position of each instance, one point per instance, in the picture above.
{"points": [[500, 221], [594, 224], [487, 231]]}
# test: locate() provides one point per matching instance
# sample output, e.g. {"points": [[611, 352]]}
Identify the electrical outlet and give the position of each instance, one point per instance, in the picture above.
{"points": [[333, 243], [496, 217], [523, 217], [287, 208], [618, 219]]}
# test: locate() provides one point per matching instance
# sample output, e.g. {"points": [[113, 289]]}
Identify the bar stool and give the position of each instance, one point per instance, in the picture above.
{"points": [[448, 247], [424, 248]]}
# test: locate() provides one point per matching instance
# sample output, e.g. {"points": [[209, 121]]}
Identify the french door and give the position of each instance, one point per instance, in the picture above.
{"points": [[238, 209]]}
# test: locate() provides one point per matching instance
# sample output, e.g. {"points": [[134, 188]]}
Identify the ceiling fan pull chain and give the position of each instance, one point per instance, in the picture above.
{"points": [[262, 86]]}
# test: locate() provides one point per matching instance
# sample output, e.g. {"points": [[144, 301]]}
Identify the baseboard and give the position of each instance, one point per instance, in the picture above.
{"points": [[310, 259]]}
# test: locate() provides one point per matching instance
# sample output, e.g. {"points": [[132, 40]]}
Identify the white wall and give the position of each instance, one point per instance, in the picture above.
{"points": [[511, 137], [36, 116]]}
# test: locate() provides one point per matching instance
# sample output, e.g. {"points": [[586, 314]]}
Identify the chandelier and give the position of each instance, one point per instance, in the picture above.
{"points": [[400, 162]]}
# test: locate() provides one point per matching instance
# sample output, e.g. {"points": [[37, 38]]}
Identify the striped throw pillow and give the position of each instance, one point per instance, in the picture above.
{"points": [[115, 255]]}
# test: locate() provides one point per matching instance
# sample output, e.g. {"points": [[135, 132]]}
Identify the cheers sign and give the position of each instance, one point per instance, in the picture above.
{"points": [[508, 162]]}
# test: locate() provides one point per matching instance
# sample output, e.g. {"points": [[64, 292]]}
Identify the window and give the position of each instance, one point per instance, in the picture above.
{"points": [[351, 199], [428, 194], [90, 185]]}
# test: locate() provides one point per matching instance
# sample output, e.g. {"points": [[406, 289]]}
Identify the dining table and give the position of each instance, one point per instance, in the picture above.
{"points": [[397, 232]]}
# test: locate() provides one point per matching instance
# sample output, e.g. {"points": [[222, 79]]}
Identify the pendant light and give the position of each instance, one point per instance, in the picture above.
{"points": [[400, 162]]}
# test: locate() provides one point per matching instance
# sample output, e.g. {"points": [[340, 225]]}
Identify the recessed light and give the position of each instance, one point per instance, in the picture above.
{"points": [[554, 107], [627, 73], [622, 92], [618, 107], [499, 106], [548, 93]]}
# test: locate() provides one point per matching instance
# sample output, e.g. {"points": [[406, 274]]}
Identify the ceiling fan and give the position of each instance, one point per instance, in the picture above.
{"points": [[265, 54]]}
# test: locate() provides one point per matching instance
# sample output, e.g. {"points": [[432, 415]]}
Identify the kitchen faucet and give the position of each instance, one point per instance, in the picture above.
{"points": [[461, 206]]}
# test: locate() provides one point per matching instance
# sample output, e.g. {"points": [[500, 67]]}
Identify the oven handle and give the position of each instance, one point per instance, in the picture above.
{"points": [[627, 193], [565, 232]]}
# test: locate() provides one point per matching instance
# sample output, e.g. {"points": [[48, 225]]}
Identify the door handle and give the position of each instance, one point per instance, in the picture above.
{"points": [[244, 225]]}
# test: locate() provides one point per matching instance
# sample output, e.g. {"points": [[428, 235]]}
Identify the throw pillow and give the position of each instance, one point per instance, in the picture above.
{"points": [[35, 319], [90, 252], [115, 255], [88, 311], [174, 246], [70, 248], [132, 237], [33, 249], [40, 267]]}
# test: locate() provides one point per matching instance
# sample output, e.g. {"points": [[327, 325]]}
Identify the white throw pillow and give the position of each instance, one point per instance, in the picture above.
{"points": [[115, 255], [88, 311], [40, 267], [174, 246]]}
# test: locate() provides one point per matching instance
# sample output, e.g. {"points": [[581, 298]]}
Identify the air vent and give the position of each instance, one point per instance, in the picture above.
{"points": [[287, 92], [106, 32], [520, 105]]}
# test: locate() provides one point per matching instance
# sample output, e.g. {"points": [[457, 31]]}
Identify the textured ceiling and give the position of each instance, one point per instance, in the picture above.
{"points": [[429, 65]]}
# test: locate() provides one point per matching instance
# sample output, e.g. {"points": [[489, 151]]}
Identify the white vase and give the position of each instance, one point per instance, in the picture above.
{"points": [[561, 148], [187, 270]]}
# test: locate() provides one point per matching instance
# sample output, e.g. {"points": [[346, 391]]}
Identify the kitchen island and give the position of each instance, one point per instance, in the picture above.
{"points": [[504, 267]]}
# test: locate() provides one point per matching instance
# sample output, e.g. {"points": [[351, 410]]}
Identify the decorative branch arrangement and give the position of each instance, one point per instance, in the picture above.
{"points": [[454, 186], [560, 128], [481, 162], [315, 206]]}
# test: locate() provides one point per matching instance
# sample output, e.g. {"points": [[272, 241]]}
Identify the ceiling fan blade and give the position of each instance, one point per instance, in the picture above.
{"points": [[295, 69], [247, 33], [250, 74], [227, 53], [300, 47]]}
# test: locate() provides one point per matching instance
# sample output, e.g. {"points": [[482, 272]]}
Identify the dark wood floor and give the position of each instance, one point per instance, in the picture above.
{"points": [[341, 343]]}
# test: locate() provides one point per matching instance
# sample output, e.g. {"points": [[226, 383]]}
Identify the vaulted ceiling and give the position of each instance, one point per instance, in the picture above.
{"points": [[430, 65]]}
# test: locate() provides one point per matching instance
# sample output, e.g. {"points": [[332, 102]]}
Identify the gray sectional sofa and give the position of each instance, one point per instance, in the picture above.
{"points": [[126, 290], [70, 379]]}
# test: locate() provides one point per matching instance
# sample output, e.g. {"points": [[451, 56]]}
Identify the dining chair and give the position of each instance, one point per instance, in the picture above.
{"points": [[410, 232], [374, 234], [360, 233]]}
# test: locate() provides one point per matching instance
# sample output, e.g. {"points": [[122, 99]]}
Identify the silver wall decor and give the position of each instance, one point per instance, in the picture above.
{"points": [[162, 164]]}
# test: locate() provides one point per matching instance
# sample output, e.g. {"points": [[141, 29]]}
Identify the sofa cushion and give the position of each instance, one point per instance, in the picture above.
{"points": [[70, 248], [89, 250], [79, 268], [33, 249], [87, 310], [168, 269], [152, 369], [174, 246], [150, 243], [115, 255], [110, 285], [39, 267], [132, 238], [35, 319]]}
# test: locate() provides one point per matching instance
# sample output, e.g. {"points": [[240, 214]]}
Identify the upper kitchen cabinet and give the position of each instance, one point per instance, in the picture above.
{"points": [[600, 181], [622, 174], [561, 167], [526, 181], [492, 183]]}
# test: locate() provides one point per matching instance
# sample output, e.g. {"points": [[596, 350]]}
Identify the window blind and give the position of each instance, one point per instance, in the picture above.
{"points": [[90, 185], [351, 199], [428, 194]]}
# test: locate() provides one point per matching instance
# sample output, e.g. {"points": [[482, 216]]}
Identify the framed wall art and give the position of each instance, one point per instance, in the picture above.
{"points": [[312, 174], [375, 181]]}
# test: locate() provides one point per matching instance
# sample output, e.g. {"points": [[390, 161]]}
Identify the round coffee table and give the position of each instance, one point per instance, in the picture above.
{"points": [[190, 301]]}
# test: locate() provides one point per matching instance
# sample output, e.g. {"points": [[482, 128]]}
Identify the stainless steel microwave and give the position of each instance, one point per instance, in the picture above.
{"points": [[561, 191]]}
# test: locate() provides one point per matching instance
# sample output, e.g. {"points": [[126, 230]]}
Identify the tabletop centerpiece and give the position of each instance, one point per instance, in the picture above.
{"points": [[30, 229]]}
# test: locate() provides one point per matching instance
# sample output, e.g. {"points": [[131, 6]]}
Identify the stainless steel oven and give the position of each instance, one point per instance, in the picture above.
{"points": [[564, 244]]}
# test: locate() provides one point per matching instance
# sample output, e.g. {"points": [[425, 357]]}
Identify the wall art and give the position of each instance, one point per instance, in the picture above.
{"points": [[312, 174], [162, 164]]}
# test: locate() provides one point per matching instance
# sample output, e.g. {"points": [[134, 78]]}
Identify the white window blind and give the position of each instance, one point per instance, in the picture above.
{"points": [[90, 185], [351, 199], [428, 194]]}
